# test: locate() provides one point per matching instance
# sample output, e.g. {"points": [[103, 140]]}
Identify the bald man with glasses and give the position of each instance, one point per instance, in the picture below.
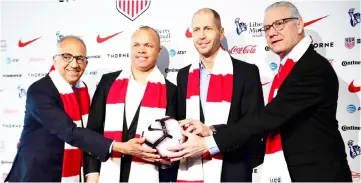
{"points": [[54, 138]]}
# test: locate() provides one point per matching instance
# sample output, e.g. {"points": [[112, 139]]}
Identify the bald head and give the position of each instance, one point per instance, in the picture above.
{"points": [[150, 31], [75, 40], [215, 15]]}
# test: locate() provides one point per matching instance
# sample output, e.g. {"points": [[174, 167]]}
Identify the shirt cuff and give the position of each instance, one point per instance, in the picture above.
{"points": [[92, 173], [111, 147], [212, 145]]}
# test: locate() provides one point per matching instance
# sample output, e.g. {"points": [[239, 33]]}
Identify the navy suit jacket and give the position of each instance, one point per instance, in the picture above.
{"points": [[46, 127]]}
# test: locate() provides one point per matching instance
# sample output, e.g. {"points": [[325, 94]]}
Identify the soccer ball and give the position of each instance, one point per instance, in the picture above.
{"points": [[162, 134]]}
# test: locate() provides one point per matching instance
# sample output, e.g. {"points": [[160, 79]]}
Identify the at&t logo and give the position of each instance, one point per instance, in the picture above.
{"points": [[273, 66], [352, 108]]}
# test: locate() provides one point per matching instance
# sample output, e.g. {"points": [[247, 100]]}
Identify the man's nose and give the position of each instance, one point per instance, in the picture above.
{"points": [[272, 32], [74, 63]]}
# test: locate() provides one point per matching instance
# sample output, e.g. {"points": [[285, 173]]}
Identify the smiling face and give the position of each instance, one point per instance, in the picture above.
{"points": [[145, 49], [282, 41], [71, 70], [207, 34]]}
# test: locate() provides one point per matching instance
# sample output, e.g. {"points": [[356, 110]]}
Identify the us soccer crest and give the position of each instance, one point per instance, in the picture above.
{"points": [[349, 42], [132, 9]]}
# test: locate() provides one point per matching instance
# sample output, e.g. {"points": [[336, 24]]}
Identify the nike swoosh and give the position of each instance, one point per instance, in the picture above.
{"points": [[352, 88], [313, 21], [155, 129], [100, 40], [265, 83], [22, 44], [189, 34]]}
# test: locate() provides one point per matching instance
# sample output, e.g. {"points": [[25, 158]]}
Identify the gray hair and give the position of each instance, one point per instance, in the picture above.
{"points": [[71, 37], [294, 11]]}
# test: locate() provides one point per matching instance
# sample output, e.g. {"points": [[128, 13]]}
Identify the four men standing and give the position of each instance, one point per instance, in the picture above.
{"points": [[218, 100]]}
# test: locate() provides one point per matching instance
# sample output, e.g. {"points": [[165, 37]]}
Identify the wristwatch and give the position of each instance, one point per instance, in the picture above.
{"points": [[213, 129]]}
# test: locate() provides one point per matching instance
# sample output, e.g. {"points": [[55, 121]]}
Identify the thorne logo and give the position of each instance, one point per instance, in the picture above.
{"points": [[118, 55], [323, 45], [249, 49], [253, 28]]}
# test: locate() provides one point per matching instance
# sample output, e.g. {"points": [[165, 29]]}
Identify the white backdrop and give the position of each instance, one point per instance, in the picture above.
{"points": [[43, 22]]}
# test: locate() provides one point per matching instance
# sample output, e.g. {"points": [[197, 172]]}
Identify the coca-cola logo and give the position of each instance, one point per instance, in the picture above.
{"points": [[249, 49]]}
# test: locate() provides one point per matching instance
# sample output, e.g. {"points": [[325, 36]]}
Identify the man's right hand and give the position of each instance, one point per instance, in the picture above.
{"points": [[134, 147], [92, 178]]}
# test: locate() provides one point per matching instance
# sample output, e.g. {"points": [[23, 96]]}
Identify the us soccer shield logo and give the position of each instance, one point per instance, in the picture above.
{"points": [[349, 42], [132, 9]]}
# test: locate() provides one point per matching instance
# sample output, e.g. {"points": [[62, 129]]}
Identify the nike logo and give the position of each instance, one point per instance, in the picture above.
{"points": [[313, 21], [188, 33], [23, 44], [155, 129], [265, 83], [352, 88], [100, 40]]}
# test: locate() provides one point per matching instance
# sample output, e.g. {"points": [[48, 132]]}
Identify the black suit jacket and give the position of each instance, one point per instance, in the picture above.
{"points": [[97, 117], [46, 127], [247, 99], [305, 112]]}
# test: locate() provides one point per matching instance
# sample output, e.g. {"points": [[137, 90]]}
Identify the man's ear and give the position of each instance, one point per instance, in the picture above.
{"points": [[300, 25]]}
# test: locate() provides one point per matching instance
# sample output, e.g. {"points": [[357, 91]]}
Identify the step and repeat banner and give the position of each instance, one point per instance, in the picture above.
{"points": [[31, 29]]}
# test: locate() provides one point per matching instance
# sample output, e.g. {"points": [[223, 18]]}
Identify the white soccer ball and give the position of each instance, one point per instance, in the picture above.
{"points": [[162, 134]]}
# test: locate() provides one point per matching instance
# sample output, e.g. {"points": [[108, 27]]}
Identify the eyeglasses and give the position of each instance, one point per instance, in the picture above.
{"points": [[67, 57], [277, 25]]}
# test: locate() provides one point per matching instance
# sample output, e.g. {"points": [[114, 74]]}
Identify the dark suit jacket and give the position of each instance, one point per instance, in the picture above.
{"points": [[97, 117], [247, 99], [46, 128], [305, 112]]}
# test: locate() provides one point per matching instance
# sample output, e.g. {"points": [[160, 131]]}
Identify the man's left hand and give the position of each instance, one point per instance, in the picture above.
{"points": [[193, 147]]}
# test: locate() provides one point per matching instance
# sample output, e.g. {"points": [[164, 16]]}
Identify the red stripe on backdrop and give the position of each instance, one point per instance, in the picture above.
{"points": [[221, 88], [117, 92], [123, 5], [132, 8], [71, 110], [137, 7], [155, 95], [193, 84], [128, 3], [72, 160], [146, 3]]}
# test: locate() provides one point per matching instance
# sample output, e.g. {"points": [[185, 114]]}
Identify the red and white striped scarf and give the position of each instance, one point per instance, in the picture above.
{"points": [[153, 106], [274, 156], [208, 168], [78, 112]]}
